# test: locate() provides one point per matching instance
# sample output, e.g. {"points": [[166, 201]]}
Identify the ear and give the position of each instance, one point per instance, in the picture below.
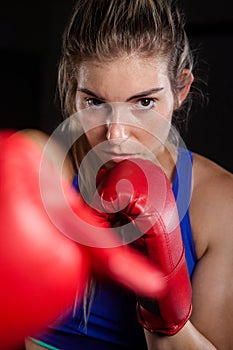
{"points": [[185, 82]]}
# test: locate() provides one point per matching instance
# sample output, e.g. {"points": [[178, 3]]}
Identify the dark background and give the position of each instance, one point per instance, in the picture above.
{"points": [[30, 40]]}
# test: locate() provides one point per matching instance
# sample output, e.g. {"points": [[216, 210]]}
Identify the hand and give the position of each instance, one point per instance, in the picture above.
{"points": [[138, 192], [50, 243]]}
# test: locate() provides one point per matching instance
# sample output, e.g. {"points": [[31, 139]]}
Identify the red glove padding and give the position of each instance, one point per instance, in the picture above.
{"points": [[42, 270], [145, 199]]}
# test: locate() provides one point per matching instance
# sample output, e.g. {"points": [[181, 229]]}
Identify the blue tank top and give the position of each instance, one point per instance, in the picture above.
{"points": [[182, 186], [112, 322]]}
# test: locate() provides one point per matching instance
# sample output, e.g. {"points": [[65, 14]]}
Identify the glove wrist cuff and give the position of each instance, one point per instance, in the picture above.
{"points": [[155, 324]]}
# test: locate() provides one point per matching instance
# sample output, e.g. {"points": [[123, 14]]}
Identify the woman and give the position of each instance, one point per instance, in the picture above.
{"points": [[126, 71]]}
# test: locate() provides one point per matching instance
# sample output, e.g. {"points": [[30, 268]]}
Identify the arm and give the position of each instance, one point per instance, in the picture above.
{"points": [[210, 325], [188, 338], [212, 316], [48, 243]]}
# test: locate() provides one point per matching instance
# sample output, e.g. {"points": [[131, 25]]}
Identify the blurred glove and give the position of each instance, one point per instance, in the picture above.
{"points": [[50, 242]]}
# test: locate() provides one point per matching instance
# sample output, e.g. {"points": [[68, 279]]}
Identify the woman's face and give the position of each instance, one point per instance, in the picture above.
{"points": [[125, 107]]}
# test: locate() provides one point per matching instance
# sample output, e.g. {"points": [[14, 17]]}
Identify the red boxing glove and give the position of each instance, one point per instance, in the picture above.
{"points": [[42, 270], [138, 191]]}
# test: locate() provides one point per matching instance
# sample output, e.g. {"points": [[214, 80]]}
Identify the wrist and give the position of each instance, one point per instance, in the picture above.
{"points": [[187, 338], [169, 313]]}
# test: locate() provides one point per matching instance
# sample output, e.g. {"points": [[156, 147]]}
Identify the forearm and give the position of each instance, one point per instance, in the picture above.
{"points": [[188, 338]]}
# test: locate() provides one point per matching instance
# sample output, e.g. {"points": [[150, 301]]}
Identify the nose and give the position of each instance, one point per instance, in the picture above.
{"points": [[116, 133], [117, 129]]}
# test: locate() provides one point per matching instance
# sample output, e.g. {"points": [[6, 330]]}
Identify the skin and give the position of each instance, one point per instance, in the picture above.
{"points": [[120, 128], [211, 207]]}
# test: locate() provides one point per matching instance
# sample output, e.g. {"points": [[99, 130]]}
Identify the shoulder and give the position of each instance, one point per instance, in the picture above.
{"points": [[211, 178], [211, 217], [211, 205]]}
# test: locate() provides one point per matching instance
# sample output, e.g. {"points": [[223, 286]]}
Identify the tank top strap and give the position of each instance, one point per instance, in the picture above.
{"points": [[182, 185]]}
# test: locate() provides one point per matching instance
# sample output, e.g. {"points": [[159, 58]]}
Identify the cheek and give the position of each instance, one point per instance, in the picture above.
{"points": [[96, 135], [152, 140], [154, 129]]}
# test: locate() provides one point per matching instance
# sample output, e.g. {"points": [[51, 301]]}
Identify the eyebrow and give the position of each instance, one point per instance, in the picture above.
{"points": [[140, 94], [89, 92], [144, 93]]}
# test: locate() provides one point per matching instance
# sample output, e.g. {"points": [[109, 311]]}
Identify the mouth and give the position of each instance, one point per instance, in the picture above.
{"points": [[119, 157]]}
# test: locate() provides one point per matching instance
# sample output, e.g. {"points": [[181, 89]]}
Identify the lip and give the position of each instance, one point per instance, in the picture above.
{"points": [[116, 157]]}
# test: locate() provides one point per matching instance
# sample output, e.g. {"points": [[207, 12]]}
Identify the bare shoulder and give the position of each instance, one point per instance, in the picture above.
{"points": [[211, 216], [211, 206], [211, 177]]}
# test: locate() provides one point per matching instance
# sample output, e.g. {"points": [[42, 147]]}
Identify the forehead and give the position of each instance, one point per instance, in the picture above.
{"points": [[123, 76]]}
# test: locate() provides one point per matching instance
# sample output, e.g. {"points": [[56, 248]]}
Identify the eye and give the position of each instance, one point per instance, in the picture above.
{"points": [[145, 103], [92, 102]]}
